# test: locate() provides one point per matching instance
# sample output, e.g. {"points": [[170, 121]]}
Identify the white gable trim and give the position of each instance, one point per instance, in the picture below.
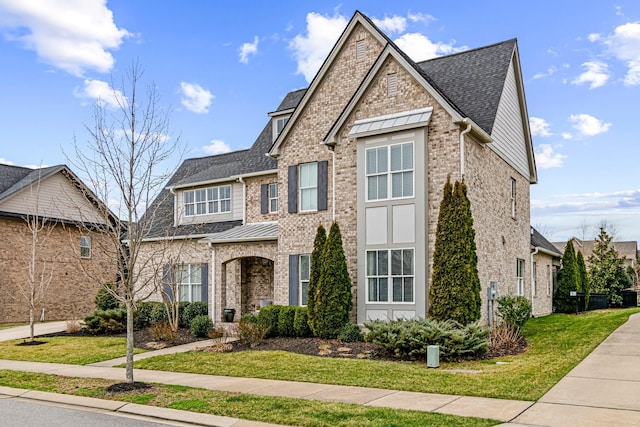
{"points": [[358, 18]]}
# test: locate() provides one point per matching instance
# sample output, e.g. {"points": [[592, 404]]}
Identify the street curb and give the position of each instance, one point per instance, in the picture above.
{"points": [[157, 412]]}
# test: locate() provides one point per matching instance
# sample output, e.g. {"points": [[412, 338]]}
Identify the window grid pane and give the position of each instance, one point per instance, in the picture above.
{"points": [[305, 273], [308, 186]]}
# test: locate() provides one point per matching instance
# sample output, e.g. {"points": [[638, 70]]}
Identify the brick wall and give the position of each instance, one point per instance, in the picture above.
{"points": [[254, 197], [74, 282]]}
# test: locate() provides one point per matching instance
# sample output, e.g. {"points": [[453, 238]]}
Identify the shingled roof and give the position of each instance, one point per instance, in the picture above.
{"points": [[473, 80], [15, 178], [539, 241]]}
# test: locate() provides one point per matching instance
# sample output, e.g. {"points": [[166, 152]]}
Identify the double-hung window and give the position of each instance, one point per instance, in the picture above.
{"points": [[205, 201], [389, 171], [190, 282], [305, 273], [395, 267], [519, 277], [273, 198], [85, 247], [308, 186]]}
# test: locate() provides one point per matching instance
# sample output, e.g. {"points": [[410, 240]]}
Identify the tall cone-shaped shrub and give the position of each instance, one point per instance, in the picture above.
{"points": [[332, 301], [314, 276], [568, 280], [455, 284], [583, 278]]}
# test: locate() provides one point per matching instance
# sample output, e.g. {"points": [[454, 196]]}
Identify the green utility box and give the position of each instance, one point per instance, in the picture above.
{"points": [[433, 356]]}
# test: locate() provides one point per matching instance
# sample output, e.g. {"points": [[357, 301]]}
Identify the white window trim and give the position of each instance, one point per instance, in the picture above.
{"points": [[206, 201], [301, 188], [184, 270], [272, 199], [84, 239], [513, 197], [389, 278], [276, 121], [520, 277], [389, 173], [300, 280]]}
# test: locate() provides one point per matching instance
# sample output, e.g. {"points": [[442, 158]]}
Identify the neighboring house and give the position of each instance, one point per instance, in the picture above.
{"points": [[370, 144], [68, 249], [545, 262], [628, 250]]}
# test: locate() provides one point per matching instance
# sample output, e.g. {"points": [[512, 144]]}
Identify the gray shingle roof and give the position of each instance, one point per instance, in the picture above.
{"points": [[292, 99], [15, 178], [473, 80], [539, 241]]}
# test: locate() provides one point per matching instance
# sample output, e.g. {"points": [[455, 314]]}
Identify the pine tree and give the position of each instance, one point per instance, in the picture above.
{"points": [[607, 271], [568, 281], [455, 285], [314, 276], [333, 299], [583, 278]]}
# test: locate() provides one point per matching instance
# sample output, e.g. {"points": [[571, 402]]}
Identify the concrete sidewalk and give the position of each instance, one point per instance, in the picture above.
{"points": [[602, 390], [21, 332]]}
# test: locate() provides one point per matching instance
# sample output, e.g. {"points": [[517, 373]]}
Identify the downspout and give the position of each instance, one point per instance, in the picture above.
{"points": [[213, 282], [244, 200], [332, 149], [535, 251], [175, 206], [467, 122]]}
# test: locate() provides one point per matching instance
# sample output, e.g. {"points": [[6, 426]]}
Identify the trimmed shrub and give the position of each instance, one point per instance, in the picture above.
{"points": [[142, 316], [106, 322], [286, 318], [249, 318], [314, 271], [455, 290], [514, 310], [332, 298], [189, 310], [158, 314], [568, 281], [105, 300], [200, 325], [301, 323], [410, 338], [268, 317], [350, 333]]}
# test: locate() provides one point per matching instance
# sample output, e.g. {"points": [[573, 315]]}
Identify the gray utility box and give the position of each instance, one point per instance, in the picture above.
{"points": [[433, 356]]}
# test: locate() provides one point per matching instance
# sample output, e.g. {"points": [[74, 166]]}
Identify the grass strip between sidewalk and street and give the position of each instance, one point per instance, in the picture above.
{"points": [[257, 408], [557, 343]]}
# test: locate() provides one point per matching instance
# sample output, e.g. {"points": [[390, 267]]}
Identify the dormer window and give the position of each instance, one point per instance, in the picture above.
{"points": [[278, 125]]}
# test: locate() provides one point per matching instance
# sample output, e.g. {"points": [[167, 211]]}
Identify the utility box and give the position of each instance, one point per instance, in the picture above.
{"points": [[433, 356]]}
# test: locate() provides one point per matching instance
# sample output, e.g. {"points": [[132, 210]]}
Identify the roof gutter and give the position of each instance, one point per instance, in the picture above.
{"points": [[481, 135], [533, 279], [219, 180]]}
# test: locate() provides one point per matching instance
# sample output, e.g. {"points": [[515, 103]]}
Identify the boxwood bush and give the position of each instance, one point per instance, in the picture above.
{"points": [[189, 310], [200, 325], [286, 317], [410, 338], [106, 322], [514, 310], [301, 323], [268, 317]]}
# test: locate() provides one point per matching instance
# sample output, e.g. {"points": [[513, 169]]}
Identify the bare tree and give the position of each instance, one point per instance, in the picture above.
{"points": [[609, 226], [125, 162], [583, 229], [40, 269]]}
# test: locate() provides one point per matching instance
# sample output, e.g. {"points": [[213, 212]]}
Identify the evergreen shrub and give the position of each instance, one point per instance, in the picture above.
{"points": [[350, 333], [514, 310], [301, 323], [106, 322], [200, 326], [286, 318], [268, 317]]}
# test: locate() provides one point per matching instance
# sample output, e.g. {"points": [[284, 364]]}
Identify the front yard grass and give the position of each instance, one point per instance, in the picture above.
{"points": [[77, 350], [557, 343], [258, 408]]}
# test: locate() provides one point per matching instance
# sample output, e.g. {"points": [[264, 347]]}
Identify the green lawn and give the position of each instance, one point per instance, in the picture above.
{"points": [[258, 408], [80, 350], [557, 344]]}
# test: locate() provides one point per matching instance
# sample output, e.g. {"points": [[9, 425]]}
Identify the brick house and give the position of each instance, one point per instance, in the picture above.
{"points": [[369, 144], [70, 250]]}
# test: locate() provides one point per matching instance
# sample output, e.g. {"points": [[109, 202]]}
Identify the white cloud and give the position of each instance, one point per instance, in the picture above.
{"points": [[195, 98], [310, 50], [248, 49], [624, 43], [391, 25], [566, 135], [596, 75], [594, 37], [539, 127], [420, 17], [101, 93], [5, 161], [547, 158], [420, 48], [588, 125], [216, 147], [550, 71], [74, 35]]}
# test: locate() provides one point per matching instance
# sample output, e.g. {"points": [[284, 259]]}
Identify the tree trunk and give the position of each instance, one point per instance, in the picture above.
{"points": [[31, 325], [129, 368]]}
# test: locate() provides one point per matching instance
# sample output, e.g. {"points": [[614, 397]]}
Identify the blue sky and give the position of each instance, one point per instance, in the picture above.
{"points": [[222, 66]]}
